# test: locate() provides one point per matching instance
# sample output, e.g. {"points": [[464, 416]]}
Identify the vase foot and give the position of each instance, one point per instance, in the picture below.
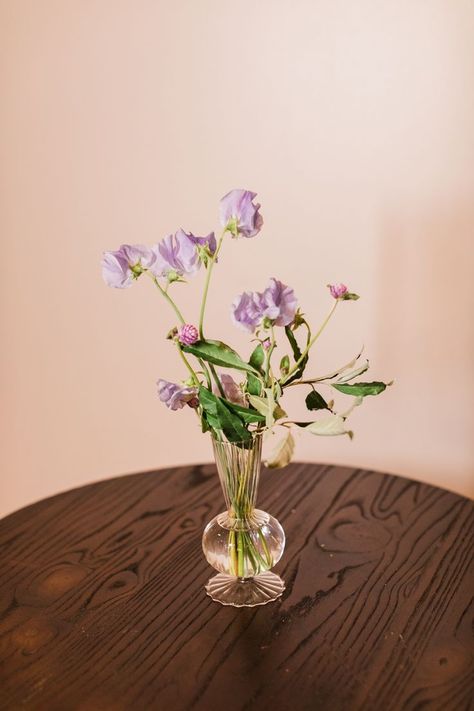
{"points": [[229, 590]]}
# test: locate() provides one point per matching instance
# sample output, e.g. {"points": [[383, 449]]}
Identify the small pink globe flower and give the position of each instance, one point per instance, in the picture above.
{"points": [[188, 334], [337, 290]]}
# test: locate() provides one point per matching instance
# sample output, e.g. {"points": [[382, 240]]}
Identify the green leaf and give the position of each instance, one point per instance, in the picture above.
{"points": [[218, 353], [254, 384], [283, 450], [315, 401], [348, 296], [220, 417], [293, 343], [285, 365], [296, 355], [257, 358], [249, 416], [360, 389], [329, 426]]}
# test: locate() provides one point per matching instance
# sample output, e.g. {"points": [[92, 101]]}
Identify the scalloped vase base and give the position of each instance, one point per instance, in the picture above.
{"points": [[245, 592]]}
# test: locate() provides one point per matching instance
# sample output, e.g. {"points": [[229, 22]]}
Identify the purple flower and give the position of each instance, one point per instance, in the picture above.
{"points": [[121, 267], [175, 396], [280, 303], [266, 343], [176, 255], [337, 290], [231, 390], [246, 311], [209, 241], [277, 303], [188, 334], [239, 214]]}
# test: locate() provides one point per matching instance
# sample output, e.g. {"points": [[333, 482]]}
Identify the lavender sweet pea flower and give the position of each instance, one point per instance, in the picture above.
{"points": [[239, 214], [246, 310], [280, 303], [231, 390], [175, 396], [121, 267], [277, 303], [209, 241], [175, 254]]}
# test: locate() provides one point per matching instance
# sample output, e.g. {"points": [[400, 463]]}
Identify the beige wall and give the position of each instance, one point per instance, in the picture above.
{"points": [[122, 120]]}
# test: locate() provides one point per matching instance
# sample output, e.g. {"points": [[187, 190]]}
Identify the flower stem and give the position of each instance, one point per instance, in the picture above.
{"points": [[217, 381], [240, 554], [168, 298], [269, 355], [306, 350], [233, 553], [188, 366], [206, 285]]}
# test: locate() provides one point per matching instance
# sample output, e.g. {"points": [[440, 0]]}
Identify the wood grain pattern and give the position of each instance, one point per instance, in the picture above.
{"points": [[102, 606]]}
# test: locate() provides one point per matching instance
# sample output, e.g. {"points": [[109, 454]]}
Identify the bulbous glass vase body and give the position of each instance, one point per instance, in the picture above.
{"points": [[243, 543]]}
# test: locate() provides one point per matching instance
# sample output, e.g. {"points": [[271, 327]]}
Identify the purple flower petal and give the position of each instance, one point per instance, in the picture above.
{"points": [[115, 270], [209, 241], [246, 311], [231, 390], [277, 303], [118, 266], [240, 214], [175, 396], [175, 253], [281, 303]]}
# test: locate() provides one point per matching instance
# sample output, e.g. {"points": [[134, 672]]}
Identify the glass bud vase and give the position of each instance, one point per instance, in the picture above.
{"points": [[242, 543]]}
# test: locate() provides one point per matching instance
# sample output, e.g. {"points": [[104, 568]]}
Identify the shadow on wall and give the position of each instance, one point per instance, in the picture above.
{"points": [[425, 266]]}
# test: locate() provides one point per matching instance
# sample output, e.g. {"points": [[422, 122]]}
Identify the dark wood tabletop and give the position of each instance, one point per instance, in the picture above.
{"points": [[102, 601]]}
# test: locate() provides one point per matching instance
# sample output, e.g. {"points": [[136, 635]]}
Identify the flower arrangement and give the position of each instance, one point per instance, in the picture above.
{"points": [[244, 542], [235, 410]]}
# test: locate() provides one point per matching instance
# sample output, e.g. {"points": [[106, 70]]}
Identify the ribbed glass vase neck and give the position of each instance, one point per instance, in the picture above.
{"points": [[239, 473]]}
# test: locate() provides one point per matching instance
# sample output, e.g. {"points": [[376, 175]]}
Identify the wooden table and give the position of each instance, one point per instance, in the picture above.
{"points": [[102, 604]]}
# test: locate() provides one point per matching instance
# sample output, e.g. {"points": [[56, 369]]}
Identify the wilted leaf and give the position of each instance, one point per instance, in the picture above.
{"points": [[354, 373], [283, 450], [329, 426], [342, 369], [259, 403], [267, 406]]}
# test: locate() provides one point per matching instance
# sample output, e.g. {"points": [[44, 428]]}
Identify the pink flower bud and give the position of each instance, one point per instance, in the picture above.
{"points": [[188, 334], [337, 290]]}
